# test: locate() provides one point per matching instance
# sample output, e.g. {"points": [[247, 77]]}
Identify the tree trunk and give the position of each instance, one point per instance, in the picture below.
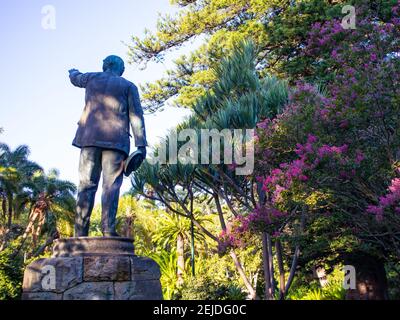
{"points": [[296, 253], [235, 258], [271, 266], [292, 268], [4, 207], [220, 213], [10, 210], [242, 274], [49, 241], [278, 250], [192, 248], [127, 227], [180, 243], [266, 264], [371, 281]]}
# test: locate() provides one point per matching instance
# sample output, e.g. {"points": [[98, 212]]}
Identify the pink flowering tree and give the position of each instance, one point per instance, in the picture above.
{"points": [[328, 166]]}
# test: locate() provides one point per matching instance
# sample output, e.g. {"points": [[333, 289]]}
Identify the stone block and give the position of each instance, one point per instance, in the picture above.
{"points": [[144, 268], [99, 268], [107, 268], [41, 296], [68, 273], [87, 246], [90, 291], [138, 290]]}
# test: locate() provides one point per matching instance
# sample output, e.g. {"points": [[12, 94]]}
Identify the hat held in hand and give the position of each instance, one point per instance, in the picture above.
{"points": [[134, 161]]}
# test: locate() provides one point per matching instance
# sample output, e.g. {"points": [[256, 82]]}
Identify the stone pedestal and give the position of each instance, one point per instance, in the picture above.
{"points": [[92, 268]]}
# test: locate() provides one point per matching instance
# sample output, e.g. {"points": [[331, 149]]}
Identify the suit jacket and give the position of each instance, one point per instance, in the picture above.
{"points": [[111, 104]]}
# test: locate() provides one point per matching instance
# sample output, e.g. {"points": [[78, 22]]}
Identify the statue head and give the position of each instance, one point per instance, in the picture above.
{"points": [[114, 64]]}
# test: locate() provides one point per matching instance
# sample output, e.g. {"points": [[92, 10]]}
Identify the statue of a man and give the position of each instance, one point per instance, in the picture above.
{"points": [[111, 104]]}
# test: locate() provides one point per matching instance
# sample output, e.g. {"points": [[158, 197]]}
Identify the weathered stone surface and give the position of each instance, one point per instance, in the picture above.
{"points": [[41, 296], [144, 268], [68, 273], [86, 269], [83, 246], [107, 268], [90, 291], [138, 290]]}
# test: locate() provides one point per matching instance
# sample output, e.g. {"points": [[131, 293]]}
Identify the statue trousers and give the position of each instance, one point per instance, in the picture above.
{"points": [[93, 161]]}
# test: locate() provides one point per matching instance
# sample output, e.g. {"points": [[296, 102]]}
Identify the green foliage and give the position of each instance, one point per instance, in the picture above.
{"points": [[278, 28], [233, 81], [205, 287], [60, 199], [11, 272], [393, 274], [167, 262], [16, 174], [311, 289], [135, 218], [217, 278], [36, 207], [171, 225], [95, 222], [239, 99], [337, 190]]}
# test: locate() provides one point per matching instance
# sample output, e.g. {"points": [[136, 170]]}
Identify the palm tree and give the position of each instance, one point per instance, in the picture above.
{"points": [[176, 230], [25, 187], [138, 220], [16, 171], [52, 201], [127, 210]]}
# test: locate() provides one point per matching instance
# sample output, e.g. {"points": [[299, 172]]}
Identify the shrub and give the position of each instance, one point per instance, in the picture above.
{"points": [[11, 273], [205, 287]]}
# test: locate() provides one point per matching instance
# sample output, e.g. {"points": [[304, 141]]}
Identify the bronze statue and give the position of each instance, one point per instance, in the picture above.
{"points": [[111, 104]]}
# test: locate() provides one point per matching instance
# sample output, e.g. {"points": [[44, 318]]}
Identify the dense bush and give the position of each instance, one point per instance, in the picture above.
{"points": [[11, 272], [205, 287], [310, 289]]}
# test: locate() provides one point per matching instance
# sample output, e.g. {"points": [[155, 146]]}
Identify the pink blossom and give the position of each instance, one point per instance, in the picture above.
{"points": [[344, 123], [388, 200], [276, 197], [323, 151], [359, 157], [378, 211], [303, 178], [395, 186], [311, 138]]}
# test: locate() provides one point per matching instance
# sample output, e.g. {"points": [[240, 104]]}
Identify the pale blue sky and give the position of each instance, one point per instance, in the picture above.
{"points": [[39, 107]]}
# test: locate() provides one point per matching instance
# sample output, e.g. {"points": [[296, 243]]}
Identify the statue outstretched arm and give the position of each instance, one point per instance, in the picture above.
{"points": [[136, 117], [78, 79]]}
